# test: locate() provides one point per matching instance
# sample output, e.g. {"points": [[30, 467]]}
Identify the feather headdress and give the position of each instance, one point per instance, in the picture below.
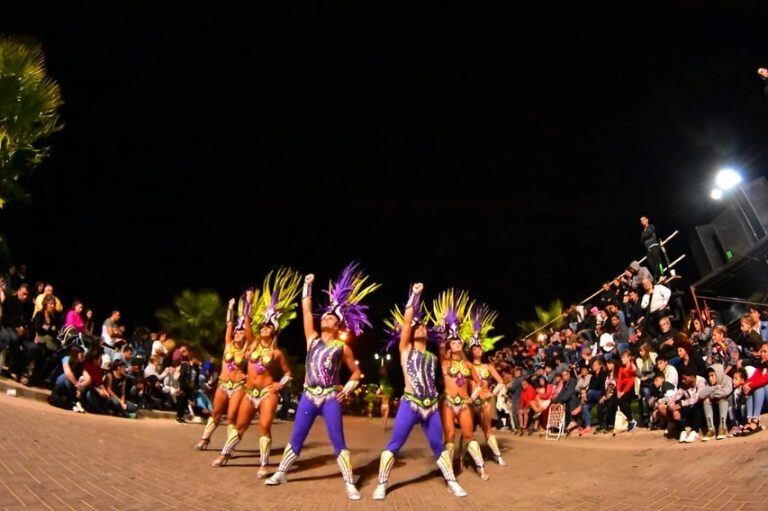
{"points": [[246, 308], [482, 320], [394, 324], [449, 311], [277, 304], [346, 295]]}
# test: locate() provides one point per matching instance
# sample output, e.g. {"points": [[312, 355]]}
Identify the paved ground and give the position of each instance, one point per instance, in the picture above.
{"points": [[55, 459]]}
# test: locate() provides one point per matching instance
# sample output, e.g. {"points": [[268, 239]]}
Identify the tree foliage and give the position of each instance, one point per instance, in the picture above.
{"points": [[553, 313], [197, 318], [29, 112]]}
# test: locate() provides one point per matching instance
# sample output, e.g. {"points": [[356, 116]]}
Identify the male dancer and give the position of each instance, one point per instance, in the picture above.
{"points": [[325, 354], [420, 399]]}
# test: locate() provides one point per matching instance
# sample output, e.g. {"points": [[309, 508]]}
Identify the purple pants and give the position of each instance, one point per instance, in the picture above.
{"points": [[306, 414], [406, 419]]}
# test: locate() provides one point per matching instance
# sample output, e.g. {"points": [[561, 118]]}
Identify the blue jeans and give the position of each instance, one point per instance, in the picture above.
{"points": [[593, 396], [755, 403]]}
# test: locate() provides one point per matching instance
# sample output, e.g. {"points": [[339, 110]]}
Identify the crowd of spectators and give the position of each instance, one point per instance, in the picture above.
{"points": [[99, 371], [630, 359]]}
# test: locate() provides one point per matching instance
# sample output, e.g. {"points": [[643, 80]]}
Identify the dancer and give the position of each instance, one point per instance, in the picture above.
{"points": [[419, 403], [275, 309], [229, 393], [462, 385], [482, 323], [325, 354], [384, 393]]}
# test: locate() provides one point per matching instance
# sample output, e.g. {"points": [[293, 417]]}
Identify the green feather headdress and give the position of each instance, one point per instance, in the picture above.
{"points": [[482, 322], [449, 311], [277, 303]]}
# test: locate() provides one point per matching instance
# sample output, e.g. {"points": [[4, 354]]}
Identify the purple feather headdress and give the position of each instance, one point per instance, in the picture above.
{"points": [[393, 325], [345, 297]]}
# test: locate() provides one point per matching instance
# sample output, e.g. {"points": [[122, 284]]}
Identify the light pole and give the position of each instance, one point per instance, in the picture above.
{"points": [[381, 359]]}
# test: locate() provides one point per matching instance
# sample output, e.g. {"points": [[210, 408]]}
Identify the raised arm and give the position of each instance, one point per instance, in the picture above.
{"points": [[414, 301], [306, 309], [228, 335]]}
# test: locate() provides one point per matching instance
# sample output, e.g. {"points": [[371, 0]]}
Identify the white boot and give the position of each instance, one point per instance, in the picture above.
{"points": [[352, 492], [380, 492], [456, 489], [277, 478]]}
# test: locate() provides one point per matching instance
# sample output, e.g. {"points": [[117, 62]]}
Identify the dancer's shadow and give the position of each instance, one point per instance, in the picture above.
{"points": [[420, 479]]}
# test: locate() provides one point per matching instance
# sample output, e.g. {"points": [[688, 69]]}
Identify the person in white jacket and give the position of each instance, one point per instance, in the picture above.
{"points": [[685, 406]]}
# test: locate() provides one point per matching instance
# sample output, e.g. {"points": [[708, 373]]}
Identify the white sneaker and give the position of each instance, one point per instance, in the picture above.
{"points": [[277, 478], [456, 489], [380, 492], [78, 407], [500, 461], [197, 419], [352, 492], [683, 435], [692, 437]]}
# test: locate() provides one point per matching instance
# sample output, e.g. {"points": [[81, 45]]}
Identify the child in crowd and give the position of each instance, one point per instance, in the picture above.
{"points": [[661, 391], [737, 409]]}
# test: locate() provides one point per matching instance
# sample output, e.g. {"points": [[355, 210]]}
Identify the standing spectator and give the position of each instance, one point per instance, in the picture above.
{"points": [[645, 364], [654, 302], [625, 388], [17, 315], [46, 295], [74, 317], [181, 355], [652, 247]]}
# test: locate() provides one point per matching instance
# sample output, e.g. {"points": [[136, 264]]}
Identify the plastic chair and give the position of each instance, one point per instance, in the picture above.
{"points": [[555, 422]]}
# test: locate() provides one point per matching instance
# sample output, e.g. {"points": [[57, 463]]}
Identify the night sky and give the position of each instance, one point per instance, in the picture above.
{"points": [[508, 149]]}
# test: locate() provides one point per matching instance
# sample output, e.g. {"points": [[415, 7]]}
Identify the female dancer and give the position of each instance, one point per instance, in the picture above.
{"points": [[325, 354], [482, 323], [385, 394], [462, 385], [419, 403], [275, 309], [229, 393]]}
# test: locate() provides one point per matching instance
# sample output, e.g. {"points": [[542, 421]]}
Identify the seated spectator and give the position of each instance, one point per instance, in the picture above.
{"points": [[68, 388], [668, 370], [595, 392], [666, 341], [116, 384], [722, 350], [684, 409], [96, 395], [749, 341], [74, 317], [620, 334], [760, 325], [110, 336], [582, 386], [42, 350], [527, 396], [645, 365], [754, 389], [47, 294], [634, 274], [661, 391], [625, 388], [159, 351], [699, 334], [716, 392], [608, 402], [567, 395], [737, 408], [633, 310], [688, 359], [17, 316]]}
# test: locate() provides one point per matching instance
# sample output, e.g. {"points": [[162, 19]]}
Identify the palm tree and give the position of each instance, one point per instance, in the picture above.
{"points": [[196, 317], [552, 316], [29, 103]]}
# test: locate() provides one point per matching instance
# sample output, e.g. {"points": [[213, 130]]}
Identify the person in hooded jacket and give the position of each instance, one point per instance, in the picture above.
{"points": [[716, 393]]}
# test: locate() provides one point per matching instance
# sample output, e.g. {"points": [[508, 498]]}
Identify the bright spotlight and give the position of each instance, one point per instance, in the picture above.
{"points": [[716, 193], [727, 179], [388, 357], [376, 356], [357, 362]]}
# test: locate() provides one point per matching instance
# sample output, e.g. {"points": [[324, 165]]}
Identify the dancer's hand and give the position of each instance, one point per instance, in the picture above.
{"points": [[417, 288], [309, 278], [231, 304], [275, 388]]}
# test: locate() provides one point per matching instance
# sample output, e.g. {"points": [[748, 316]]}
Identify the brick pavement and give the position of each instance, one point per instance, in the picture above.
{"points": [[55, 459]]}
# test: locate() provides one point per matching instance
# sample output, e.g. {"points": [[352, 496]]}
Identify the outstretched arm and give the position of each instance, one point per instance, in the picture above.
{"points": [[306, 309], [354, 379], [414, 300], [228, 335]]}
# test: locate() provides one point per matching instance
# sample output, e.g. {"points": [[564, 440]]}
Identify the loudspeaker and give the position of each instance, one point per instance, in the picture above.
{"points": [[706, 249], [733, 231], [754, 199]]}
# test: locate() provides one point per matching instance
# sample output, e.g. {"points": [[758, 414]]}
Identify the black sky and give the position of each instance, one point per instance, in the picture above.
{"points": [[505, 148]]}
